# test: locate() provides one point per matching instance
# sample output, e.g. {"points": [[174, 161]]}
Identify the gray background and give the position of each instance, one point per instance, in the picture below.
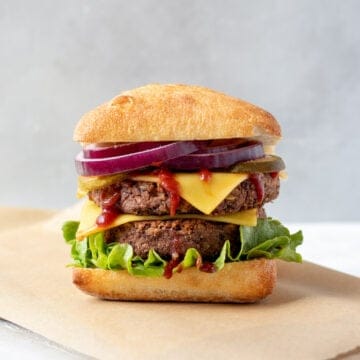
{"points": [[297, 59]]}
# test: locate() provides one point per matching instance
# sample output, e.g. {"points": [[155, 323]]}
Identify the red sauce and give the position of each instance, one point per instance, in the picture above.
{"points": [[106, 217], [205, 175], [207, 267], [274, 174], [175, 263], [111, 201], [108, 210], [259, 186], [175, 258], [172, 264], [169, 183]]}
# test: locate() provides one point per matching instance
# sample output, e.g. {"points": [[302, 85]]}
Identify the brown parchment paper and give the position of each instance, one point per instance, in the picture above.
{"points": [[314, 312]]}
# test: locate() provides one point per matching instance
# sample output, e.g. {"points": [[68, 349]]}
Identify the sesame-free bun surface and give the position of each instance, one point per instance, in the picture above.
{"points": [[172, 112], [239, 282]]}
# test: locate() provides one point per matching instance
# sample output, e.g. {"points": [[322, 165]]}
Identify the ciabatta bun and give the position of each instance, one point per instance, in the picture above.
{"points": [[173, 113], [238, 282]]}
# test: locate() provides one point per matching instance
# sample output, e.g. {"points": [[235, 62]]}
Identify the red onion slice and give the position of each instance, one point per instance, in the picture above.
{"points": [[215, 146], [133, 161], [94, 151], [221, 159]]}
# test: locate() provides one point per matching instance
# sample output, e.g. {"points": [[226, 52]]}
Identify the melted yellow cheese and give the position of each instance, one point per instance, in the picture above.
{"points": [[91, 211], [203, 195]]}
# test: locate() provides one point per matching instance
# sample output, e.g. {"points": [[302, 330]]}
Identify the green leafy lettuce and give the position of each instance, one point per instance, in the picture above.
{"points": [[268, 239]]}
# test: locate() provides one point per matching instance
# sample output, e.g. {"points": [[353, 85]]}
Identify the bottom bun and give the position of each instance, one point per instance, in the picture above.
{"points": [[238, 282]]}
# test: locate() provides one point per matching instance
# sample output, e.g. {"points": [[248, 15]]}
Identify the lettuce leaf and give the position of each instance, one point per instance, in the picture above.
{"points": [[269, 239], [69, 230]]}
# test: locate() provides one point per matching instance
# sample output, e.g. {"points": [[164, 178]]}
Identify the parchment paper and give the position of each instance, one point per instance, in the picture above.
{"points": [[314, 312]]}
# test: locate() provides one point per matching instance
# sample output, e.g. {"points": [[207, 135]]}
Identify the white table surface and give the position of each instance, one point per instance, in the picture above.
{"points": [[333, 245]]}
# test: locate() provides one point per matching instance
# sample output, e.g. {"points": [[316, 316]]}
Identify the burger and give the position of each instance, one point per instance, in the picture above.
{"points": [[175, 179]]}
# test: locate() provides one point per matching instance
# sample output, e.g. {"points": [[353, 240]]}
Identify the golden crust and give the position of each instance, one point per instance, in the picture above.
{"points": [[158, 112], [240, 282]]}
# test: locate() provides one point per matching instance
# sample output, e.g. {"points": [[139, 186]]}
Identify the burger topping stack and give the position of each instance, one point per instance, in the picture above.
{"points": [[167, 199]]}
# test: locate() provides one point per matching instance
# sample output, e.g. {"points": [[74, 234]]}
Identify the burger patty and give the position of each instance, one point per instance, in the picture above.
{"points": [[171, 237], [147, 198], [174, 237]]}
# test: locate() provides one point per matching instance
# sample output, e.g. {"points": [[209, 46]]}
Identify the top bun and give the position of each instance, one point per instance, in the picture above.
{"points": [[173, 112]]}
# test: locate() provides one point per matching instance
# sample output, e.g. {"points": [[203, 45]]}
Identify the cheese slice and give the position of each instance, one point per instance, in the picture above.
{"points": [[91, 211], [203, 195]]}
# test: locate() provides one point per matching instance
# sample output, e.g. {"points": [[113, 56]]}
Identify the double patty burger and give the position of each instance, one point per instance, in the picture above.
{"points": [[176, 179]]}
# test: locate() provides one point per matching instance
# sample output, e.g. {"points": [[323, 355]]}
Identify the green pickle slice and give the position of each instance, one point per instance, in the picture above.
{"points": [[269, 163], [88, 183]]}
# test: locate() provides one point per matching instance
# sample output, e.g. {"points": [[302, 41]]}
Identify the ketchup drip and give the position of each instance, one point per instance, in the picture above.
{"points": [[205, 175], [169, 183], [175, 258], [108, 210], [111, 201], [207, 267], [106, 217], [274, 174], [172, 264], [259, 186]]}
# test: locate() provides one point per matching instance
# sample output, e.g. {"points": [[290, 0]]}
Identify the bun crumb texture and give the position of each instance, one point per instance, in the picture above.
{"points": [[175, 112], [238, 282]]}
